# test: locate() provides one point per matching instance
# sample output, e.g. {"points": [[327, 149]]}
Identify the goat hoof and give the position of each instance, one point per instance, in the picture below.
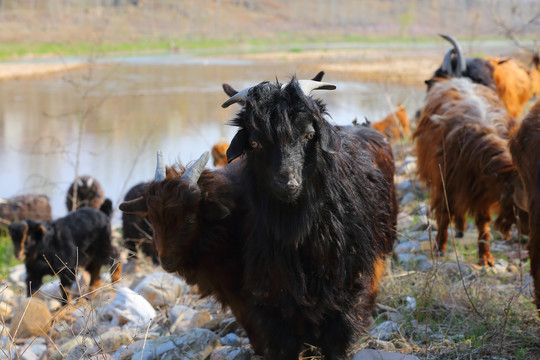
{"points": [[459, 234], [486, 262], [439, 253]]}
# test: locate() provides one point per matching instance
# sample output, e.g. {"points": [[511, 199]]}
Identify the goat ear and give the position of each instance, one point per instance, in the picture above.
{"points": [[136, 206], [330, 140], [238, 144], [37, 229]]}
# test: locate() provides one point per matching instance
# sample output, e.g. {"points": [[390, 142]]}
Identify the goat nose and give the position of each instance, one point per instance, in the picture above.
{"points": [[287, 181], [292, 183]]}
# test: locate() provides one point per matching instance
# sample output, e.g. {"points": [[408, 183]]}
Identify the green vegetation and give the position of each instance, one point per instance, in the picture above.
{"points": [[199, 46], [7, 259]]}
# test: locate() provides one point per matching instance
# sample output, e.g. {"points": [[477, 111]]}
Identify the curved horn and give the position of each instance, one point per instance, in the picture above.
{"points": [[193, 173], [240, 96], [160, 168], [447, 63], [461, 65], [308, 86]]}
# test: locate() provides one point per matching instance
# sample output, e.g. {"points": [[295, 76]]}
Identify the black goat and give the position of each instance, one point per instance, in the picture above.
{"points": [[81, 238], [89, 193], [136, 229], [319, 224]]}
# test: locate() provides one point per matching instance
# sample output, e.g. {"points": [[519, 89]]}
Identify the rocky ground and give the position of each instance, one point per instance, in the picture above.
{"points": [[422, 308]]}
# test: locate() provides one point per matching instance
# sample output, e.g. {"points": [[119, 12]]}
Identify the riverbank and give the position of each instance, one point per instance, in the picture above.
{"points": [[379, 65], [27, 70]]}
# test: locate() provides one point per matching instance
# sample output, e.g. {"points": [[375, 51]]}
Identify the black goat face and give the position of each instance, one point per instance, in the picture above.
{"points": [[24, 235], [282, 134]]}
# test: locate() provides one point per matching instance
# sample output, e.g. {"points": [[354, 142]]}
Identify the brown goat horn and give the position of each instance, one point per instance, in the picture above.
{"points": [[240, 96], [160, 168], [461, 65], [193, 173]]}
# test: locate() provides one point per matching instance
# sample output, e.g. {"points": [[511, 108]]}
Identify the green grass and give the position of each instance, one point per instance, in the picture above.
{"points": [[7, 259], [201, 46]]}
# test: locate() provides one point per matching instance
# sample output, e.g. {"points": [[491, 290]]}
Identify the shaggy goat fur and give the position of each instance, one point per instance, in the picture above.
{"points": [[89, 193], [462, 156], [197, 231], [81, 238], [525, 149], [136, 229], [514, 82], [319, 223], [395, 126], [29, 206], [219, 153]]}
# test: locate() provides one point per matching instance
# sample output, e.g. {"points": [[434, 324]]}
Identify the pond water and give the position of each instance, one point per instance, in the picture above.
{"points": [[132, 107]]}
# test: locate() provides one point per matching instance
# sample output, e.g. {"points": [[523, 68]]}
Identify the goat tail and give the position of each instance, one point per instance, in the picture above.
{"points": [[106, 207]]}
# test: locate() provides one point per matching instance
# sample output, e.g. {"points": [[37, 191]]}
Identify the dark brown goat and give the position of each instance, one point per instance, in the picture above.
{"points": [[136, 229], [29, 206], [89, 193], [525, 149], [461, 144], [197, 230]]}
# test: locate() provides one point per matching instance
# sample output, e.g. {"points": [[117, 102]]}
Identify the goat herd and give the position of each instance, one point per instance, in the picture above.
{"points": [[293, 233]]}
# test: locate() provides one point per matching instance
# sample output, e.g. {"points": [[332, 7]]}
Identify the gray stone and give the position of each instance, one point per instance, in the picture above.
{"points": [[195, 344], [370, 354], [385, 331], [231, 340], [113, 340], [408, 197], [407, 247], [404, 220], [231, 353], [126, 352], [73, 349], [404, 186]]}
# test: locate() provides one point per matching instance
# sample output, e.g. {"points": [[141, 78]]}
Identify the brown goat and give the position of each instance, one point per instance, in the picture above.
{"points": [[219, 153], [525, 150], [462, 156], [36, 207], [515, 84], [395, 126]]}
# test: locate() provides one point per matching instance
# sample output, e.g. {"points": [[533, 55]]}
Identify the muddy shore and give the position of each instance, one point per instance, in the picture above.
{"points": [[362, 65]]}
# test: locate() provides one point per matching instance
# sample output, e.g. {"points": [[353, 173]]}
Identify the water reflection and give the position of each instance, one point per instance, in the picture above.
{"points": [[136, 106]]}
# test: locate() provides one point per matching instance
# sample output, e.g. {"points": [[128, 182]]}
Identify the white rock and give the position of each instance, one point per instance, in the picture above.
{"points": [[186, 318], [128, 308], [161, 288], [17, 273]]}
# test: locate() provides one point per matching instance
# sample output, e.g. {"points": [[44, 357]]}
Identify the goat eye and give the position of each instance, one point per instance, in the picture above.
{"points": [[310, 136], [255, 145]]}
